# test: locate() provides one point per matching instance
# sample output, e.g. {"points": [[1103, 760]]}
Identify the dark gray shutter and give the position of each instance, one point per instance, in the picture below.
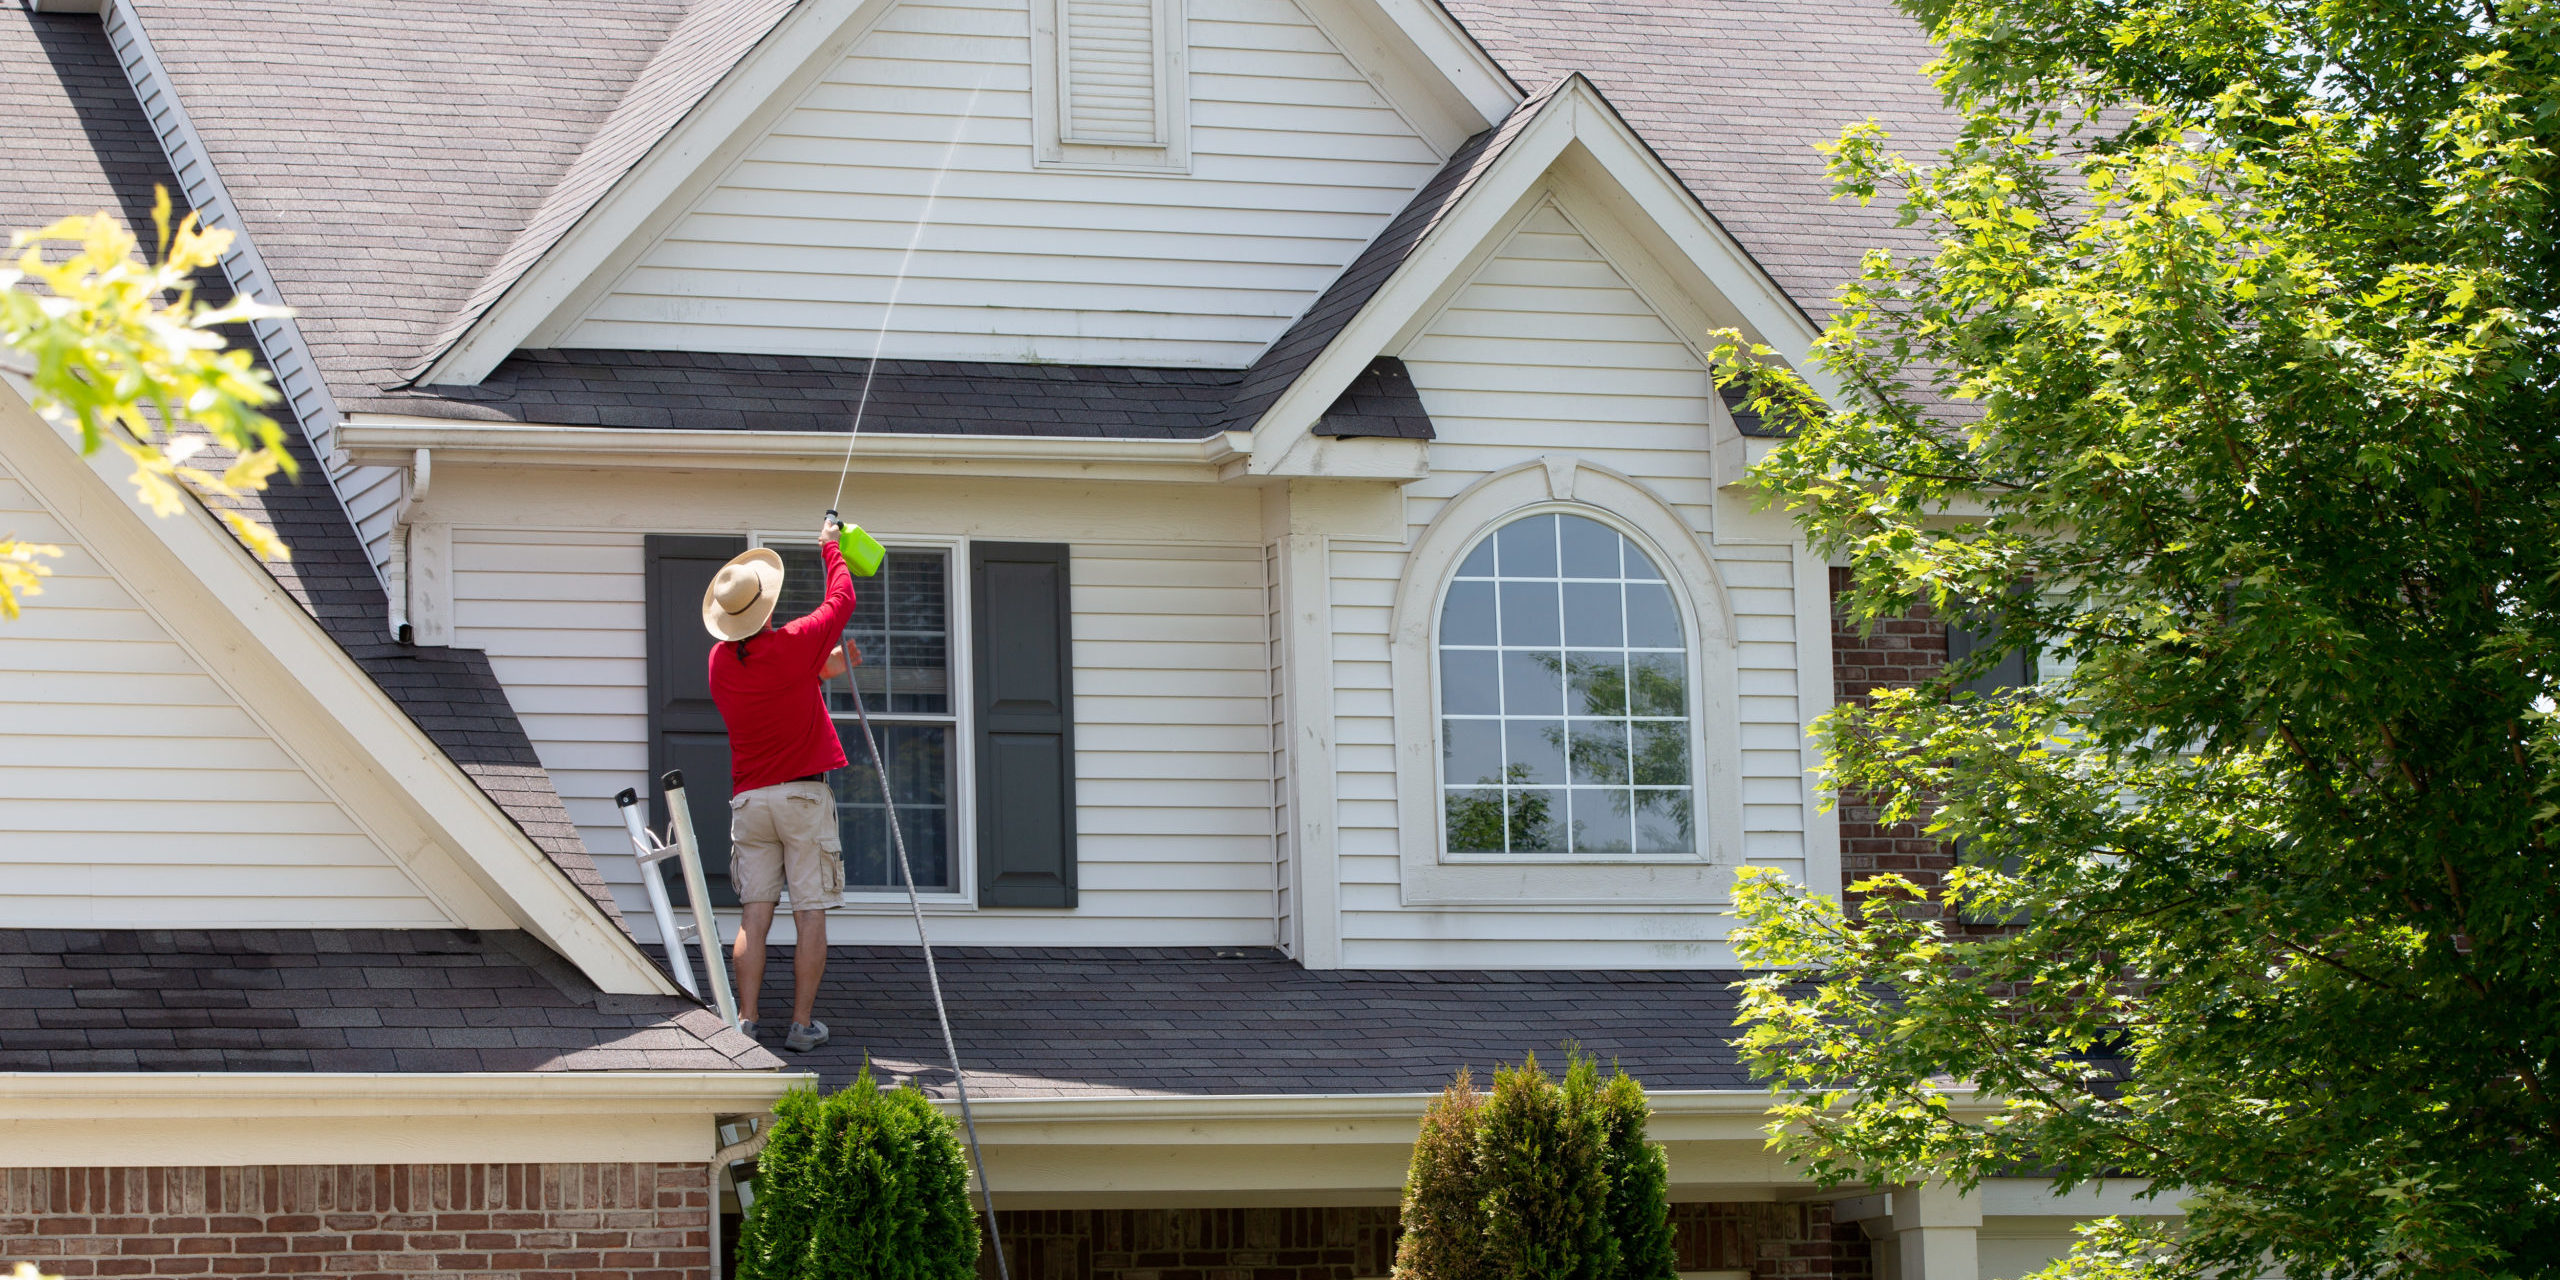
{"points": [[1025, 725], [2013, 669], [685, 732]]}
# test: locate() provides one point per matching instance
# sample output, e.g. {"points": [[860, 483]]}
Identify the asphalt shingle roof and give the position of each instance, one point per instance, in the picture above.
{"points": [[705, 44], [1035, 1022], [384, 154], [427, 1000], [715, 392], [77, 142], [1734, 95]]}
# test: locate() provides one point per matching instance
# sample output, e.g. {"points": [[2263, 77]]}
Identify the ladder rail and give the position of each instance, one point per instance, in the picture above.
{"points": [[649, 851], [706, 926]]}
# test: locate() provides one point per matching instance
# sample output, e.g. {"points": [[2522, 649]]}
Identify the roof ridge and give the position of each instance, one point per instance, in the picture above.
{"points": [[700, 51]]}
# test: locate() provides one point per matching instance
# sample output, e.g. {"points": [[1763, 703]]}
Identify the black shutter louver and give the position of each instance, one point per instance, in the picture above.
{"points": [[1024, 722], [685, 732]]}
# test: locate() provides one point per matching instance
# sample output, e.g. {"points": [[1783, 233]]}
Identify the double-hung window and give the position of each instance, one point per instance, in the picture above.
{"points": [[911, 680]]}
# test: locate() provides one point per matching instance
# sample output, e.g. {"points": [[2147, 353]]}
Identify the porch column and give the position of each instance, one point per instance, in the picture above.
{"points": [[1921, 1232]]}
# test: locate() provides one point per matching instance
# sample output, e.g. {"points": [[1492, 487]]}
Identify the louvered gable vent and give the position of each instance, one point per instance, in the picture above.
{"points": [[1110, 70]]}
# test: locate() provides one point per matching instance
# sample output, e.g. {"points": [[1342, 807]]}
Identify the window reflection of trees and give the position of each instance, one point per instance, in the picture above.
{"points": [[1564, 697]]}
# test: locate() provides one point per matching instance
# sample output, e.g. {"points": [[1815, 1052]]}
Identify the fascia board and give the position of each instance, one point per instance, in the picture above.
{"points": [[1445, 41], [240, 608], [765, 83], [155, 1118], [1426, 65], [394, 440], [1670, 206], [1577, 114], [1438, 264], [52, 1095]]}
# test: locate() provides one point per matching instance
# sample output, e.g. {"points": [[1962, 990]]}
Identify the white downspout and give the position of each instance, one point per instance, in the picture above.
{"points": [[395, 570]]}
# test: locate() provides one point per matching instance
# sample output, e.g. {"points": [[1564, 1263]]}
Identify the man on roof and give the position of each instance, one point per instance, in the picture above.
{"points": [[770, 685]]}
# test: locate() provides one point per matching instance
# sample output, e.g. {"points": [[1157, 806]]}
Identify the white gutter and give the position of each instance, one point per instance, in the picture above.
{"points": [[394, 440], [189, 1095]]}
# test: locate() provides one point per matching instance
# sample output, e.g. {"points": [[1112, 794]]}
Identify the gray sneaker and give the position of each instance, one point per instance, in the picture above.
{"points": [[803, 1038], [747, 1027]]}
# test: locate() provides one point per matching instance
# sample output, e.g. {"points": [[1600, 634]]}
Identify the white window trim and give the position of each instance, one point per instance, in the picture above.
{"points": [[963, 894], [1049, 147], [1431, 876]]}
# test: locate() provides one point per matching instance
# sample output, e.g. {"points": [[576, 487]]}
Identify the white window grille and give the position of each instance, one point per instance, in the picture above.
{"points": [[1564, 698]]}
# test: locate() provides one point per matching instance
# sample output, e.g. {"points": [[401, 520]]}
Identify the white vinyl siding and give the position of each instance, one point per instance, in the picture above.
{"points": [[1296, 162], [136, 791], [1548, 348], [1173, 733], [1110, 72]]}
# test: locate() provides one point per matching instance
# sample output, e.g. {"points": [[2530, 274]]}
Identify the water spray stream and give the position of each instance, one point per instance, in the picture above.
{"points": [[879, 765], [897, 286]]}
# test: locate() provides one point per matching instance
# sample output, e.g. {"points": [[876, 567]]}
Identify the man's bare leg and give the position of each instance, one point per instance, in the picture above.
{"points": [[755, 920], [808, 962]]}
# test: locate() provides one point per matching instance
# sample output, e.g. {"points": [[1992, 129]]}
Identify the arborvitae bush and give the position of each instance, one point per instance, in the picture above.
{"points": [[1442, 1216], [862, 1184], [1546, 1197], [1639, 1185], [1539, 1180]]}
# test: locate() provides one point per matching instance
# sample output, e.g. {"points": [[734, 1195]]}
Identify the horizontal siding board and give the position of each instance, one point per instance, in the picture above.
{"points": [[1173, 787], [1548, 343], [1296, 161]]}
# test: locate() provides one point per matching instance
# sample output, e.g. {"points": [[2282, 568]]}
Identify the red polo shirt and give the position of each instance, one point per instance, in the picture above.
{"points": [[772, 700]]}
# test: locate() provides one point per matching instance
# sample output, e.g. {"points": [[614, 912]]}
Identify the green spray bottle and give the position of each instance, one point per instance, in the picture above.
{"points": [[862, 552]]}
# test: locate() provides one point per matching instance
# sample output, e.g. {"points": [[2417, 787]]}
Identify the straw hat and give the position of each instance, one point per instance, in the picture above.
{"points": [[741, 596]]}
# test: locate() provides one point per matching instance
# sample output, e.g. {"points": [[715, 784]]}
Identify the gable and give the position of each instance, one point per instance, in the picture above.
{"points": [[1295, 161], [139, 790]]}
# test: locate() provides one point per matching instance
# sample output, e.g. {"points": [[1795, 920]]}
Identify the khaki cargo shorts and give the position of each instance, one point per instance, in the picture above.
{"points": [[787, 832]]}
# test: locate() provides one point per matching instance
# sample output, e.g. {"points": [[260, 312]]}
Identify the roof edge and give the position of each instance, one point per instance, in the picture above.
{"points": [[492, 850]]}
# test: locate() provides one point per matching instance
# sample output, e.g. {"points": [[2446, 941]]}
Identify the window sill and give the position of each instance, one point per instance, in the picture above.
{"points": [[1686, 882]]}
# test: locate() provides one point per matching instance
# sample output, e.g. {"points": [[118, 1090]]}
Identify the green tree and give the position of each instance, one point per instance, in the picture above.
{"points": [[1639, 1213], [862, 1184], [1545, 1200], [1443, 1235], [2231, 384], [120, 364]]}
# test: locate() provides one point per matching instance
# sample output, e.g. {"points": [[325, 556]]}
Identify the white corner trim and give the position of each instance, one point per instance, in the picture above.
{"points": [[688, 160], [391, 440], [1583, 140], [1715, 743], [190, 565]]}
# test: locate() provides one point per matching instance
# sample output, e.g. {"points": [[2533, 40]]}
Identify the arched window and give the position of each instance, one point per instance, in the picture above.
{"points": [[1564, 697]]}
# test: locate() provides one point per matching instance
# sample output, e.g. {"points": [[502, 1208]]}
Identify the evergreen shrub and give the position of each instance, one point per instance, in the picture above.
{"points": [[1443, 1235], [862, 1184], [1540, 1179]]}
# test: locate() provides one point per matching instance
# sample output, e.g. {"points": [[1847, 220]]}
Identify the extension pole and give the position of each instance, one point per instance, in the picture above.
{"points": [[932, 976]]}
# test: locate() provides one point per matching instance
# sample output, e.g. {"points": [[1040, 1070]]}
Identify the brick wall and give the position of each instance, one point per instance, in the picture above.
{"points": [[1771, 1241], [608, 1221], [1196, 1244], [1899, 652]]}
